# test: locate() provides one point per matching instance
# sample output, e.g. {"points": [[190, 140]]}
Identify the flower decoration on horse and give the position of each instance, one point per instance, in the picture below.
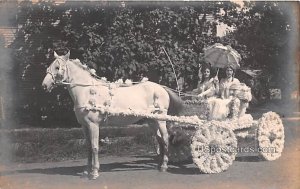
{"points": [[224, 103]]}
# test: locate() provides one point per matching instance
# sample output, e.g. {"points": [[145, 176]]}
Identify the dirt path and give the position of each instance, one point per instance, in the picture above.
{"points": [[140, 172]]}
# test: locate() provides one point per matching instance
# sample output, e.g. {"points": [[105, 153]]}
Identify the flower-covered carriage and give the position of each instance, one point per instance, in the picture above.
{"points": [[214, 144]]}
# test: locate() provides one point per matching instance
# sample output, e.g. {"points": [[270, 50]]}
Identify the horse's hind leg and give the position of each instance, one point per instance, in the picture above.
{"points": [[94, 140], [165, 138], [160, 147], [163, 141]]}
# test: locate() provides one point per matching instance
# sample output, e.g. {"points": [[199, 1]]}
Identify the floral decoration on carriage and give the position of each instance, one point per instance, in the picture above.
{"points": [[207, 130], [214, 145]]}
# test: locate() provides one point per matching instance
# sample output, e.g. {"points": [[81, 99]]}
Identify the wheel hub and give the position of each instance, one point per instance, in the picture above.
{"points": [[214, 147], [272, 137]]}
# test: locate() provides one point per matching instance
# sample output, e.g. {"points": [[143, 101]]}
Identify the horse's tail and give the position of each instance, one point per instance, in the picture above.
{"points": [[176, 103]]}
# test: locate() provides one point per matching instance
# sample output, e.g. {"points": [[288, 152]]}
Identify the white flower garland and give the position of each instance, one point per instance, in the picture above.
{"points": [[220, 132], [243, 122], [233, 124], [147, 114], [234, 108], [144, 79], [270, 136]]}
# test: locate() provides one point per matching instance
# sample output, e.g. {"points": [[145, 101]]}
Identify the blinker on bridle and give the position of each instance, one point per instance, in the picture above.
{"points": [[54, 75]]}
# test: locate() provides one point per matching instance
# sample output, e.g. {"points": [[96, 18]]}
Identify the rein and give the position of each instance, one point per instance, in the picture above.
{"points": [[180, 93], [80, 84], [63, 82], [104, 83]]}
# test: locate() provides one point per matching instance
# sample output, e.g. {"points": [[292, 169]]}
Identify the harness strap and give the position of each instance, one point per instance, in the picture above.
{"points": [[180, 92], [53, 78], [104, 83]]}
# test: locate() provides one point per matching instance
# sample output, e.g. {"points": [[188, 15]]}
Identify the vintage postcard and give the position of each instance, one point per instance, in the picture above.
{"points": [[149, 94]]}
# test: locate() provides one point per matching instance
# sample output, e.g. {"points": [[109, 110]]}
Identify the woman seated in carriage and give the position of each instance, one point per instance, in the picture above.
{"points": [[207, 86], [220, 106], [220, 96], [210, 87]]}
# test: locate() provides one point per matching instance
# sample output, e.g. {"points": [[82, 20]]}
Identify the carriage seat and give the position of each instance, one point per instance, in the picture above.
{"points": [[236, 107]]}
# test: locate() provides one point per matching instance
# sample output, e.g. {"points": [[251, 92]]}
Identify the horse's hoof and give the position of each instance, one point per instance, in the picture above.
{"points": [[83, 174], [94, 175], [163, 169]]}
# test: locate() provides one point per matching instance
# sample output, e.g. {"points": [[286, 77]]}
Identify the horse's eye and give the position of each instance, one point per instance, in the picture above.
{"points": [[57, 68]]}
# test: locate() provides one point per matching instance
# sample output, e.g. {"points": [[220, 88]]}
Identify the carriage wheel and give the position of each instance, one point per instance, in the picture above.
{"points": [[270, 138], [213, 148]]}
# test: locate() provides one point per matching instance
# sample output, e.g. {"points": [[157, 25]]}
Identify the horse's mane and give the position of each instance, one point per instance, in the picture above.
{"points": [[93, 72], [85, 67]]}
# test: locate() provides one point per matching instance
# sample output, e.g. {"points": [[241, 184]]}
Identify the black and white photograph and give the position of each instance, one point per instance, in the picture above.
{"points": [[149, 94]]}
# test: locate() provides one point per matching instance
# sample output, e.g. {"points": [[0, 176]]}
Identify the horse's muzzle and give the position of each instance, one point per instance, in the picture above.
{"points": [[44, 86], [48, 83]]}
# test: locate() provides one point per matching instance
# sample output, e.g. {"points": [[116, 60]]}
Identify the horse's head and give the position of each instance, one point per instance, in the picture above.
{"points": [[56, 72]]}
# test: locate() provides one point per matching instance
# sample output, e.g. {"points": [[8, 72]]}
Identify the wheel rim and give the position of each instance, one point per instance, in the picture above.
{"points": [[213, 148], [270, 136]]}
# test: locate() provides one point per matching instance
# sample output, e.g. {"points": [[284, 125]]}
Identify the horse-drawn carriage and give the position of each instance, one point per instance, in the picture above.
{"points": [[211, 143], [214, 144]]}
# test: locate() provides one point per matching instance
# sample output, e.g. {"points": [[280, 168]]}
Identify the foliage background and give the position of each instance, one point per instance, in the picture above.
{"points": [[126, 40]]}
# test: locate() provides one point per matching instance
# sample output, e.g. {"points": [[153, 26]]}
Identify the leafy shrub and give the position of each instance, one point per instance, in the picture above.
{"points": [[126, 41]]}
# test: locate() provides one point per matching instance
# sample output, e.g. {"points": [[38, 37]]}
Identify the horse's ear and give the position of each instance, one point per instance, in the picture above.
{"points": [[67, 56], [55, 55]]}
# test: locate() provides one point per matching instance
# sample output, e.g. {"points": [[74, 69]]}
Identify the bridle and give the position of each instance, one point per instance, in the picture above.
{"points": [[62, 66], [66, 80]]}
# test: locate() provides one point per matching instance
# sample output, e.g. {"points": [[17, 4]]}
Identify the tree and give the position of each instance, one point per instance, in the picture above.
{"points": [[118, 41], [264, 36]]}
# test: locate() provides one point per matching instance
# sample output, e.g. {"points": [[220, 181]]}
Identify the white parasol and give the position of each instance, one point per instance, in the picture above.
{"points": [[220, 56]]}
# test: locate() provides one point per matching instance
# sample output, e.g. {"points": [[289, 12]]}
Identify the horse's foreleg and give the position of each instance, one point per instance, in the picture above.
{"points": [[94, 140], [89, 147]]}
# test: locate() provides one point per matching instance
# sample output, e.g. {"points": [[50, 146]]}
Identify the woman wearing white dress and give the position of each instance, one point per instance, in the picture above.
{"points": [[226, 82], [219, 107]]}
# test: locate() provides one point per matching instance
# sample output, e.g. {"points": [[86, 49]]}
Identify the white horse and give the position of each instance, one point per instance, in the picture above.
{"points": [[88, 92]]}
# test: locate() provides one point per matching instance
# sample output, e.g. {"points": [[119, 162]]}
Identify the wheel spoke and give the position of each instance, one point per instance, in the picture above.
{"points": [[201, 139], [213, 165], [226, 158]]}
